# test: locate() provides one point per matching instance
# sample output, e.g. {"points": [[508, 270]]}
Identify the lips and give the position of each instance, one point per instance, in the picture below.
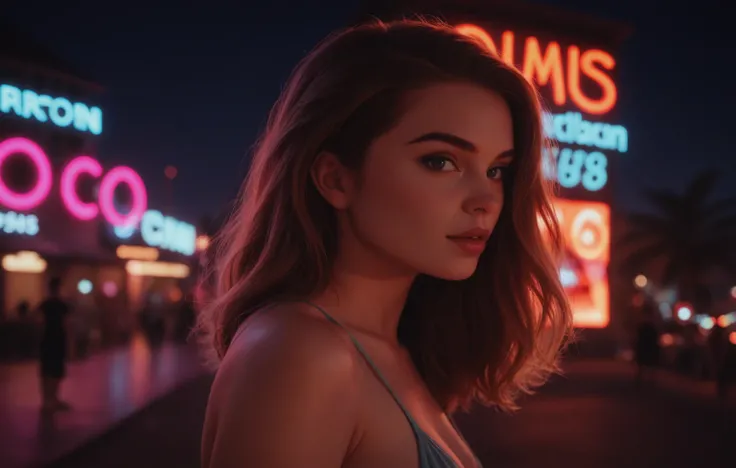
{"points": [[477, 234], [472, 242]]}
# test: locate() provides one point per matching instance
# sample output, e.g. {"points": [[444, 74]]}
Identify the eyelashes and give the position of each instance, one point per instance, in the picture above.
{"points": [[498, 172], [439, 163], [444, 163]]}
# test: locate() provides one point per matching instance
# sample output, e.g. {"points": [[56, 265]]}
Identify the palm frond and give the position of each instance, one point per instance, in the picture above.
{"points": [[665, 202], [702, 186], [650, 222], [688, 235], [724, 207], [725, 226]]}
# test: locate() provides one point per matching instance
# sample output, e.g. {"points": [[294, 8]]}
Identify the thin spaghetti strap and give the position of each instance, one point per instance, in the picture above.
{"points": [[368, 359]]}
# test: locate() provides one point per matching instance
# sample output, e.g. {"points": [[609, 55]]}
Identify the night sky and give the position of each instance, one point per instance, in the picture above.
{"points": [[191, 86]]}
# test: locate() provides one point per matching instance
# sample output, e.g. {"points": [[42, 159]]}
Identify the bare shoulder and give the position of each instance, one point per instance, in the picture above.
{"points": [[285, 393], [289, 340]]}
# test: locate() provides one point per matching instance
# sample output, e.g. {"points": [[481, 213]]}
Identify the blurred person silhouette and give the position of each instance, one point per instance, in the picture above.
{"points": [[23, 309], [54, 346], [152, 320], [718, 351], [646, 340]]}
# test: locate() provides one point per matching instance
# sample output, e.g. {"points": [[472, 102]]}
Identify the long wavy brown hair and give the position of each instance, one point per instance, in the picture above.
{"points": [[485, 339]]}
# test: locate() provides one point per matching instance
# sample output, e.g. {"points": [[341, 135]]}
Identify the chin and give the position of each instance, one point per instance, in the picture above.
{"points": [[454, 270]]}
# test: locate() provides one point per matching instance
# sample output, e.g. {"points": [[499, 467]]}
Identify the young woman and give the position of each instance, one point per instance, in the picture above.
{"points": [[389, 261]]}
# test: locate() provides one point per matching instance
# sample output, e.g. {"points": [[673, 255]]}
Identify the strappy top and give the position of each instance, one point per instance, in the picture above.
{"points": [[431, 454]]}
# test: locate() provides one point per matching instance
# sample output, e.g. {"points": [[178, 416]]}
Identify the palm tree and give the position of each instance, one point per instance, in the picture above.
{"points": [[689, 236]]}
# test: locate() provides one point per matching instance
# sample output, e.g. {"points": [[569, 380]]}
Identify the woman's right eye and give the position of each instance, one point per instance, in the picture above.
{"points": [[439, 163]]}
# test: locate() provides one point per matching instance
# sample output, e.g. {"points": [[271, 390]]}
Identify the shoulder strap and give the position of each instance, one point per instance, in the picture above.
{"points": [[368, 359]]}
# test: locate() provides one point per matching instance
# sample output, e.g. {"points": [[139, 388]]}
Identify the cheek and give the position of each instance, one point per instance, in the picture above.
{"points": [[406, 215], [402, 205], [394, 209]]}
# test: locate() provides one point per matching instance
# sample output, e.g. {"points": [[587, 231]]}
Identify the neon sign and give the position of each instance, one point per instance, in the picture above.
{"points": [[81, 165], [18, 223], [164, 232], [546, 68], [168, 233], [60, 111], [578, 168], [571, 128], [587, 232]]}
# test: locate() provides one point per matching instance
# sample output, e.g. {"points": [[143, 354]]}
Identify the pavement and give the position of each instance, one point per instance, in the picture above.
{"points": [[103, 390], [593, 417]]}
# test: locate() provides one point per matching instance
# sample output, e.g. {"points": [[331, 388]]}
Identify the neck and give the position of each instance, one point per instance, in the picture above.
{"points": [[367, 293]]}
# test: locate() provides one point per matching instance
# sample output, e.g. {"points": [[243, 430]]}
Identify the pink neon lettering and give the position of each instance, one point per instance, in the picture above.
{"points": [[106, 196], [72, 171], [70, 174], [32, 198]]}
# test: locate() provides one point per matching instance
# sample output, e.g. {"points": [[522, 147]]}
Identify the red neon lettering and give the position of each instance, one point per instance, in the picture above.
{"points": [[546, 68], [507, 47], [478, 34], [587, 63], [541, 68]]}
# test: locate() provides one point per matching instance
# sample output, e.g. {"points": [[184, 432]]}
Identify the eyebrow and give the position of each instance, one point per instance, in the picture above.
{"points": [[457, 142], [508, 154], [448, 138]]}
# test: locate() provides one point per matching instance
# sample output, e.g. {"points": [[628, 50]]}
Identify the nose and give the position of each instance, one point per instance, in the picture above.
{"points": [[485, 198]]}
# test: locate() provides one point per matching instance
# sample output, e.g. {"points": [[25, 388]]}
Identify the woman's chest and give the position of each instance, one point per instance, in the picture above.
{"points": [[386, 437]]}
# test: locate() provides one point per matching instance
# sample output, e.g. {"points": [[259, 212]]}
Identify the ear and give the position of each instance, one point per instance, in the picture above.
{"points": [[333, 180]]}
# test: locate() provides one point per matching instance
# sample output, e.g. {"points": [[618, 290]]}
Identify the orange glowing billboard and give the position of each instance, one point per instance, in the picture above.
{"points": [[586, 227]]}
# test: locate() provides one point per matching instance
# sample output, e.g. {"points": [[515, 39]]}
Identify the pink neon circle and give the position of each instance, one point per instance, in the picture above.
{"points": [[31, 199], [112, 179], [77, 166]]}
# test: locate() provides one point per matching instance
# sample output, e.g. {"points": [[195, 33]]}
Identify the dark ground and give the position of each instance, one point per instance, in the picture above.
{"points": [[591, 418]]}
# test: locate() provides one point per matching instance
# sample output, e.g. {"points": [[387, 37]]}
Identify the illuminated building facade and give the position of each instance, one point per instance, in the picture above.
{"points": [[572, 61], [66, 213]]}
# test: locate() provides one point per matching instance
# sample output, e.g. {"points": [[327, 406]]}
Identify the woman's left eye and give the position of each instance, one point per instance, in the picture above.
{"points": [[439, 163], [497, 173]]}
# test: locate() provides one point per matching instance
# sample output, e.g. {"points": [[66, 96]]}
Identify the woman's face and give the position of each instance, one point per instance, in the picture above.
{"points": [[431, 189]]}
